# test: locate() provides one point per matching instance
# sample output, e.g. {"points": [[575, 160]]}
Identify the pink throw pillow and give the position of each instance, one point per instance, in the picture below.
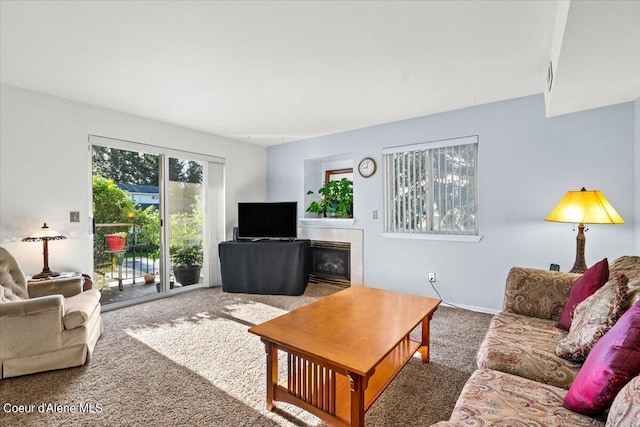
{"points": [[612, 362], [592, 280]]}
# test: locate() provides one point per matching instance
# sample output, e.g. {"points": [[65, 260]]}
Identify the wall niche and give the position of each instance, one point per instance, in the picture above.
{"points": [[317, 170]]}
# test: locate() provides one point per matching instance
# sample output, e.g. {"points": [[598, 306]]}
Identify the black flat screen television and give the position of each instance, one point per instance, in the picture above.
{"points": [[268, 220]]}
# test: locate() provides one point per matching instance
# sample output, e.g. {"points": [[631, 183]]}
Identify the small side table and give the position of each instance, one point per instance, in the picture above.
{"points": [[88, 282]]}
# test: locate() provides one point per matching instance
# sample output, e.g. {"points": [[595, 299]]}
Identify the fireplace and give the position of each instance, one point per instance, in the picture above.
{"points": [[331, 263], [353, 236]]}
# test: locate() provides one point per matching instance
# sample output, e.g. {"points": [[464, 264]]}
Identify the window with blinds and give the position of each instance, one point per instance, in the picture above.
{"points": [[430, 188]]}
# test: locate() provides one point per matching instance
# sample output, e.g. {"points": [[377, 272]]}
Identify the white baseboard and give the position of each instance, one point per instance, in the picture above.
{"points": [[472, 308]]}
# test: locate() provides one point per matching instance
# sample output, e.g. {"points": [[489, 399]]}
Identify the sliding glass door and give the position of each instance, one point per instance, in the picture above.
{"points": [[186, 221], [126, 203], [159, 203]]}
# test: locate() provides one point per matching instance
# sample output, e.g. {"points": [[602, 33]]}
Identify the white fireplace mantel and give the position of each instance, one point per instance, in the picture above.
{"points": [[328, 222], [353, 236]]}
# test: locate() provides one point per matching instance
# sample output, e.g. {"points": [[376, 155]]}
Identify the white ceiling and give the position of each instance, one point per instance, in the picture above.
{"points": [[269, 72]]}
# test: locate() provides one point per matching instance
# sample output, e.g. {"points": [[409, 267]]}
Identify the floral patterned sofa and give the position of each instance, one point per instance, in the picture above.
{"points": [[521, 380]]}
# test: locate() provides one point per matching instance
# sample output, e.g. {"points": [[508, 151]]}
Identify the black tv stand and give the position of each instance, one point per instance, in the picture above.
{"points": [[262, 239], [265, 266]]}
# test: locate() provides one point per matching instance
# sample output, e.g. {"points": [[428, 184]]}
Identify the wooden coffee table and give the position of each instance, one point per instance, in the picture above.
{"points": [[343, 350]]}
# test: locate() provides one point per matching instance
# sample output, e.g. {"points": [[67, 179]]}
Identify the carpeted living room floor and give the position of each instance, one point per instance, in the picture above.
{"points": [[189, 360]]}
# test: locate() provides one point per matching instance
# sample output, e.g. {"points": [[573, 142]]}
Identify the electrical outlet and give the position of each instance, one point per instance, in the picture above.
{"points": [[432, 277], [74, 216]]}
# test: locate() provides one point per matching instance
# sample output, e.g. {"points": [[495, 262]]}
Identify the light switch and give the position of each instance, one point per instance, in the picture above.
{"points": [[375, 214], [74, 216]]}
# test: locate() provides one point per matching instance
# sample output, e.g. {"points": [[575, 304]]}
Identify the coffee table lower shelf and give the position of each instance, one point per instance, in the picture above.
{"points": [[329, 392]]}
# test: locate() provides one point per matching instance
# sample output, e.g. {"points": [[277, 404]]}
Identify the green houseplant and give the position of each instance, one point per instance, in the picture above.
{"points": [[186, 262], [185, 244], [336, 201]]}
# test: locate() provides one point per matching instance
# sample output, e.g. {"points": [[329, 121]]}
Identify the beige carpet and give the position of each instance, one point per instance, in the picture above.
{"points": [[189, 360]]}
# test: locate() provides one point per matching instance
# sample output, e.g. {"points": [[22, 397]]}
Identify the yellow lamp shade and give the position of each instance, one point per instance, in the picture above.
{"points": [[585, 207]]}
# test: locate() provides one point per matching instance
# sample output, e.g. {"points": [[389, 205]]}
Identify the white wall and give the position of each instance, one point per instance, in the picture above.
{"points": [[45, 170], [526, 164]]}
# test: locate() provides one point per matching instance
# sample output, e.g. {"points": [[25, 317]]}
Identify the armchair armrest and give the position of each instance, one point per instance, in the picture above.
{"points": [[80, 308], [30, 326], [537, 293], [66, 287], [33, 306]]}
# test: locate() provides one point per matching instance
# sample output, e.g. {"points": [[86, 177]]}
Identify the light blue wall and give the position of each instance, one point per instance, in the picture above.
{"points": [[526, 164], [637, 176]]}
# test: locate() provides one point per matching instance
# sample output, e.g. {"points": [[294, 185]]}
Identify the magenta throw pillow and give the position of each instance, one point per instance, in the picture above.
{"points": [[612, 362], [592, 280]]}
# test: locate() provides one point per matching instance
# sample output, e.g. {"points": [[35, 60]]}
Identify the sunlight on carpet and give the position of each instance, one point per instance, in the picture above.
{"points": [[218, 347]]}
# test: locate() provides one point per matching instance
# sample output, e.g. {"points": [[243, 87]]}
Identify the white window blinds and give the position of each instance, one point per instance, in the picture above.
{"points": [[430, 188]]}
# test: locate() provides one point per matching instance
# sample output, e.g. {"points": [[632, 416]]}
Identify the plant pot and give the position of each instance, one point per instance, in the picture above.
{"points": [[187, 275], [115, 243], [158, 286], [149, 278]]}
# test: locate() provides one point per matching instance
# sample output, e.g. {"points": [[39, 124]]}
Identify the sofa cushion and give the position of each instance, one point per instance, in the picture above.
{"points": [[593, 318], [12, 279], [629, 265], [537, 293], [614, 359], [6, 295], [494, 398], [525, 346], [625, 410], [592, 280]]}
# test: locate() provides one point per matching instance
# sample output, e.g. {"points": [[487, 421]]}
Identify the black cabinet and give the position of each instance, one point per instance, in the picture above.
{"points": [[268, 267]]}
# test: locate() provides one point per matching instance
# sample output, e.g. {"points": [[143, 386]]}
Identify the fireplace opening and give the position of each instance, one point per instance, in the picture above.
{"points": [[331, 263]]}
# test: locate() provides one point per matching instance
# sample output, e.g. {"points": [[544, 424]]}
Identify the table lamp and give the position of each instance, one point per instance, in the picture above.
{"points": [[584, 207], [45, 234]]}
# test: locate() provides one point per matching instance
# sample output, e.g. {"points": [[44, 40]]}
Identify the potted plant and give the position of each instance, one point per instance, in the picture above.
{"points": [[337, 199], [186, 262], [116, 241], [149, 278]]}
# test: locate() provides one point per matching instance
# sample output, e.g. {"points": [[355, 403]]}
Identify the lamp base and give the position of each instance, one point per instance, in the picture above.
{"points": [[578, 269], [46, 274], [580, 266]]}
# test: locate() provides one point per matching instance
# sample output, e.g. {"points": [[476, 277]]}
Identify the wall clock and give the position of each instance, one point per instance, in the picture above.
{"points": [[367, 167]]}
